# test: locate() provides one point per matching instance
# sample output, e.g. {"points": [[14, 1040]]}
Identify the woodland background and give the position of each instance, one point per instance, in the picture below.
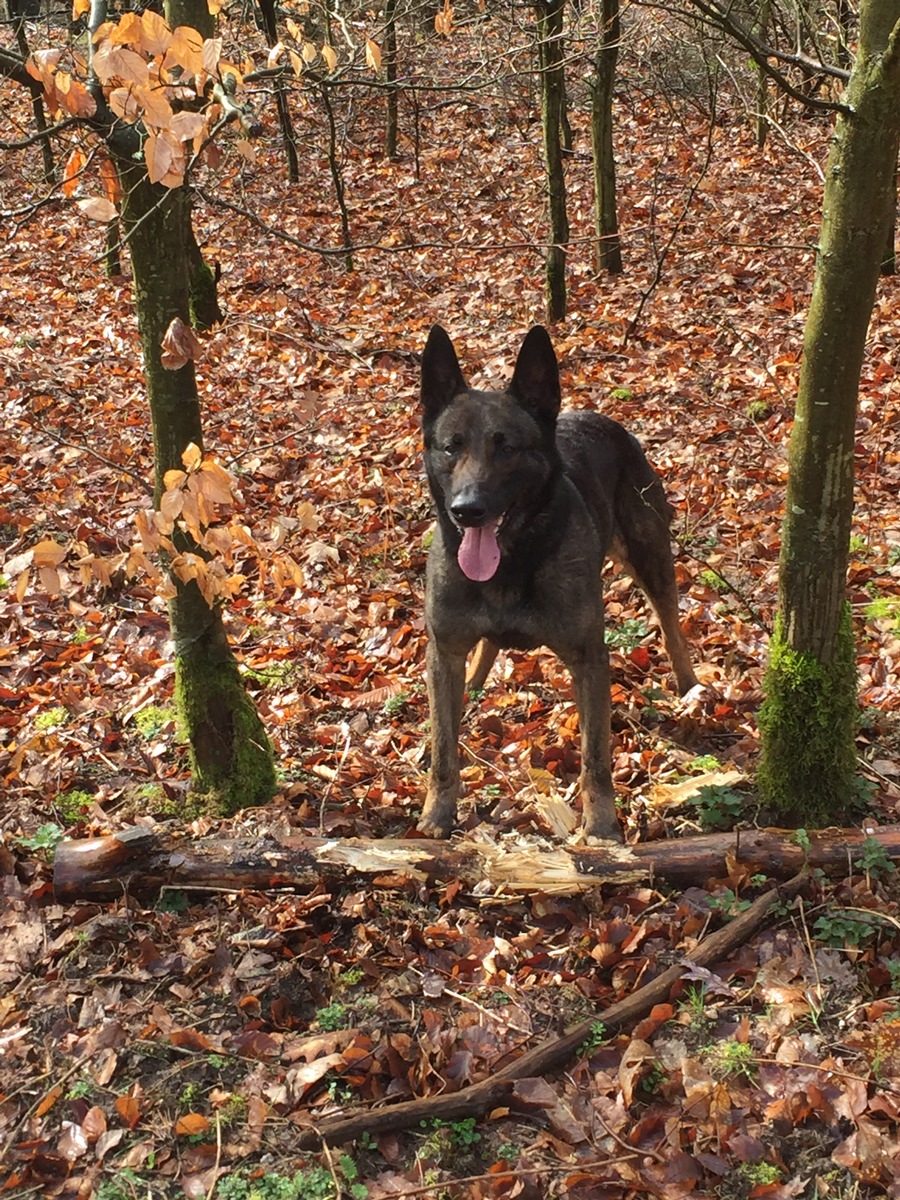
{"points": [[175, 1048]]}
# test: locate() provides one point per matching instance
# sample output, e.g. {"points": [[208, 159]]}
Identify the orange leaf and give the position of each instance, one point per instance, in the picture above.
{"points": [[156, 35], [50, 580], [210, 55], [192, 1123], [49, 1100], [190, 1038], [112, 188], [129, 1110], [75, 164], [48, 553], [94, 1124], [373, 55], [186, 50], [215, 483]]}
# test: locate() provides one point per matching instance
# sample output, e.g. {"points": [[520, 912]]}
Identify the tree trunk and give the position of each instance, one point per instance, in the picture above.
{"points": [[337, 175], [889, 255], [550, 60], [285, 124], [391, 131], [231, 759], [608, 254], [142, 861], [761, 117], [809, 715], [18, 17]]}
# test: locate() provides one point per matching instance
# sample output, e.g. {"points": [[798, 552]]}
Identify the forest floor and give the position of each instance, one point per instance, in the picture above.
{"points": [[154, 1049]]}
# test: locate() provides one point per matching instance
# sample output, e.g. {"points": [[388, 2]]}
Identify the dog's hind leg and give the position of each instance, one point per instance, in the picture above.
{"points": [[643, 548], [655, 576], [480, 666], [446, 690]]}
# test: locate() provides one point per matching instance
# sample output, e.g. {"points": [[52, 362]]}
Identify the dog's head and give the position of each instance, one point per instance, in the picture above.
{"points": [[488, 455], [534, 385]]}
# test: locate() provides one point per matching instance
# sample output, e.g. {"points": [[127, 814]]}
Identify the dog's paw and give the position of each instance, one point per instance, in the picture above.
{"points": [[601, 840], [602, 831], [437, 820], [433, 829]]}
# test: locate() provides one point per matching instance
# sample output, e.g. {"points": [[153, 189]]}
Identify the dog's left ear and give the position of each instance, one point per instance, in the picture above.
{"points": [[442, 378], [535, 381]]}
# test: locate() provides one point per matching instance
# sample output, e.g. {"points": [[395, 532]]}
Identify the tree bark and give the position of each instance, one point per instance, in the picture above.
{"points": [[231, 759], [286, 125], [808, 719], [761, 116], [142, 862], [552, 79], [608, 255], [37, 95], [391, 131]]}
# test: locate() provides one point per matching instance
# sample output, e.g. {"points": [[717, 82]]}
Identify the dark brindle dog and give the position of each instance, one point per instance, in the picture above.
{"points": [[528, 508]]}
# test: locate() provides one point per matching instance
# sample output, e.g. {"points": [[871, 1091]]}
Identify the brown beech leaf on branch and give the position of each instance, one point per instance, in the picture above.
{"points": [[98, 208], [180, 345]]}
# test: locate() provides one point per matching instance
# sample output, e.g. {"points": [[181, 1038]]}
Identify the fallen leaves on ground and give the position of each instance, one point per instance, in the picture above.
{"points": [[153, 1050]]}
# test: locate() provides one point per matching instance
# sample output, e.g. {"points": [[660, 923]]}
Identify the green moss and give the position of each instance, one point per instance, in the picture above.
{"points": [[73, 805], [51, 718], [232, 764], [808, 723], [152, 720]]}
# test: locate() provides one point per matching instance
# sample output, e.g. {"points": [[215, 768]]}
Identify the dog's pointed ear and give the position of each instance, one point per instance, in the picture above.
{"points": [[442, 378], [535, 381]]}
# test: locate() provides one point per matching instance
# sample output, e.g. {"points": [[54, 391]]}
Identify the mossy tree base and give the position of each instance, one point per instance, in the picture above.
{"points": [[808, 724], [232, 764]]}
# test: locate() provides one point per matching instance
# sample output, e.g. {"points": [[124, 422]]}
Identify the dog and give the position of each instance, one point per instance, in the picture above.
{"points": [[529, 505]]}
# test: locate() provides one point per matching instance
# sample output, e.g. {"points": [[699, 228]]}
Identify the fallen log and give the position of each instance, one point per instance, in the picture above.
{"points": [[479, 1098], [142, 861]]}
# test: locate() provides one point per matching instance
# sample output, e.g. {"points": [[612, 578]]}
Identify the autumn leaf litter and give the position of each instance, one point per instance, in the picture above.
{"points": [[152, 1046]]}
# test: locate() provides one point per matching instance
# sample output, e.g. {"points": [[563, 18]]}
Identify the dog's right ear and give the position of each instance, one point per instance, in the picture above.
{"points": [[442, 378]]}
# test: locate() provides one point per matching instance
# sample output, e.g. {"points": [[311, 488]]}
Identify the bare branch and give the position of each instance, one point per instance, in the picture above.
{"points": [[51, 131], [761, 53]]}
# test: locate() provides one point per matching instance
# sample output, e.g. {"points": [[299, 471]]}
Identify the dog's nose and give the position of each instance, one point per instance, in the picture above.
{"points": [[469, 511]]}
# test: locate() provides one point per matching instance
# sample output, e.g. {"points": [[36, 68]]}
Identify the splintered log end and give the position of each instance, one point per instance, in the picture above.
{"points": [[102, 861], [530, 869]]}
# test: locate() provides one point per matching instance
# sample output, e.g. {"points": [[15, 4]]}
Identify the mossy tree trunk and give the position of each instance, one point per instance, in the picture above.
{"points": [[552, 77], [608, 254], [231, 758], [809, 715]]}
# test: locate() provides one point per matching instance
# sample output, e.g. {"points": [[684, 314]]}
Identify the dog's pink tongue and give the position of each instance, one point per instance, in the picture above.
{"points": [[479, 554]]}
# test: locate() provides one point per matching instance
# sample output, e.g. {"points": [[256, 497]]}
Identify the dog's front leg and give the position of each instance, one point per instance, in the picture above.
{"points": [[590, 675], [446, 688]]}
